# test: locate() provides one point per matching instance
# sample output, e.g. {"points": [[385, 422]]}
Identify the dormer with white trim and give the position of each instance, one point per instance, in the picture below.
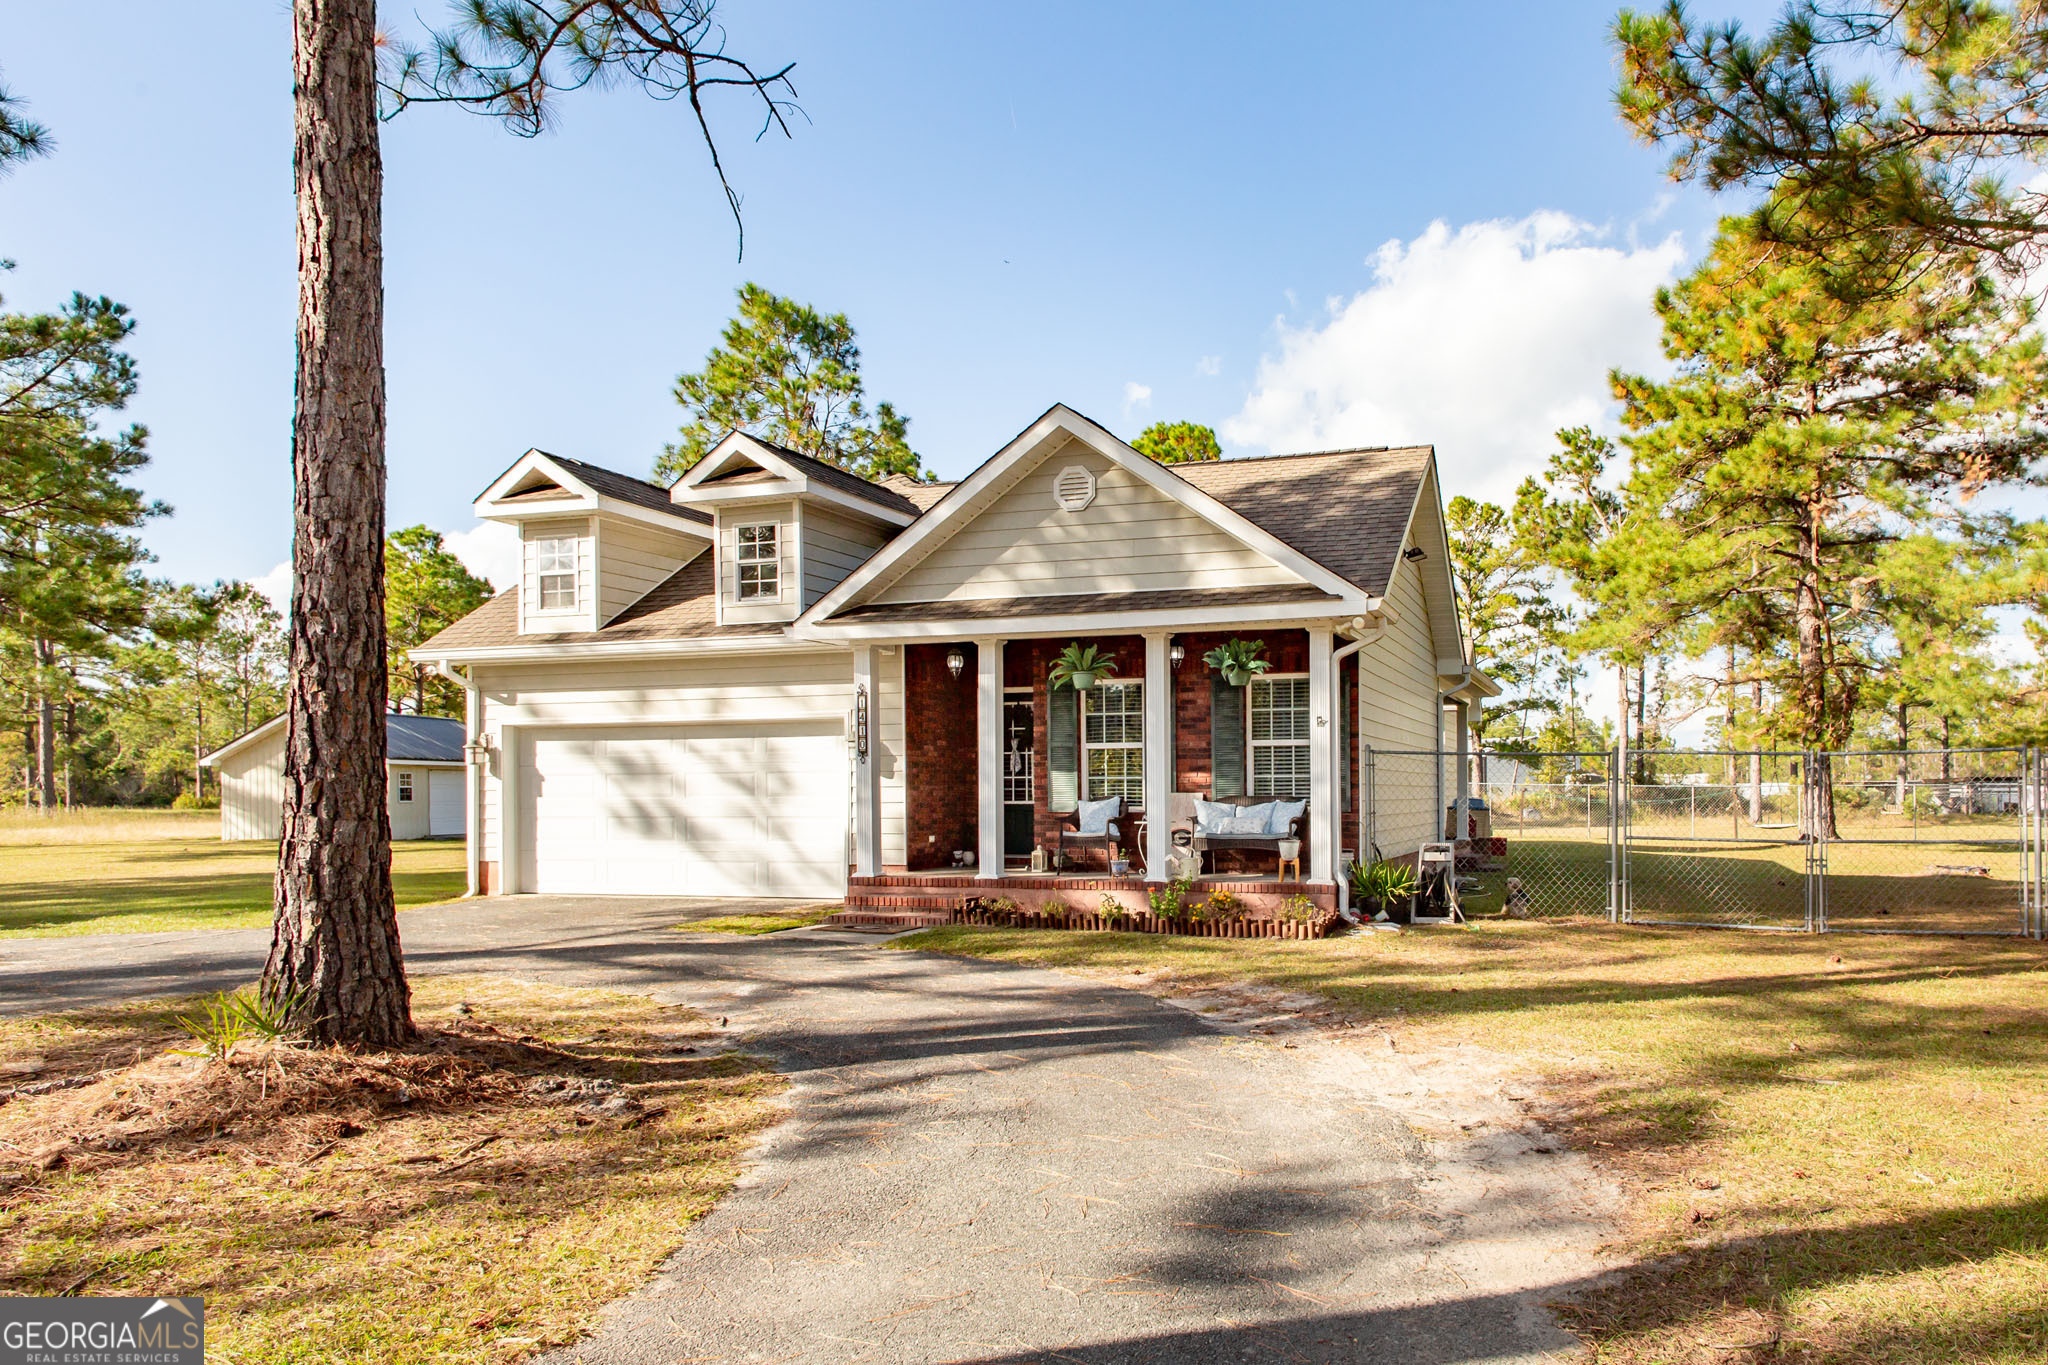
{"points": [[592, 542], [788, 528]]}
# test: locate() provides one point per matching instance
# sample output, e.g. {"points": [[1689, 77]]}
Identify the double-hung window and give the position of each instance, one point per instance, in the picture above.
{"points": [[1113, 741], [1278, 727], [555, 562], [405, 786], [760, 565]]}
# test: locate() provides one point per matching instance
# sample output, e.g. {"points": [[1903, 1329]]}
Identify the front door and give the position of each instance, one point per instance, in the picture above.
{"points": [[1019, 803]]}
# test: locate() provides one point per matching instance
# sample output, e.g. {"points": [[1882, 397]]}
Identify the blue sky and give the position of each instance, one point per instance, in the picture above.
{"points": [[1222, 213]]}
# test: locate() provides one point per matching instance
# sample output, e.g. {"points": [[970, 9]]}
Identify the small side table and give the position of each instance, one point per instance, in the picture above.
{"points": [[1290, 869]]}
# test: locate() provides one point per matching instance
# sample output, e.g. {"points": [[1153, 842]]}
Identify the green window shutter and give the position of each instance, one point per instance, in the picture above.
{"points": [[1226, 738], [1063, 748]]}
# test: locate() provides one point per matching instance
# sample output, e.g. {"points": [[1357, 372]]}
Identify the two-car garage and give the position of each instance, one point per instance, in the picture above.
{"points": [[746, 809]]}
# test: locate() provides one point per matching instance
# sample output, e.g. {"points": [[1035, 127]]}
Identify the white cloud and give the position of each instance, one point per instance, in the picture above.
{"points": [[489, 550], [1136, 395], [1482, 340], [277, 586], [1209, 365]]}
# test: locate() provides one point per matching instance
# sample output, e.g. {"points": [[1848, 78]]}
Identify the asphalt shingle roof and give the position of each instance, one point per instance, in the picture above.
{"points": [[1345, 509], [680, 607], [626, 488]]}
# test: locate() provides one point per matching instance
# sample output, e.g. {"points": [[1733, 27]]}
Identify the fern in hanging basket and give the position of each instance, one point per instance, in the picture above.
{"points": [[1079, 665], [1238, 660]]}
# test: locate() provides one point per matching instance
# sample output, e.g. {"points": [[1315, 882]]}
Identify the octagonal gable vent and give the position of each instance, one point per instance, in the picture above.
{"points": [[1073, 488]]}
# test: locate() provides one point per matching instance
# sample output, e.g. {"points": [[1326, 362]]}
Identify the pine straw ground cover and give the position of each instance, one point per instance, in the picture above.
{"points": [[473, 1199], [1838, 1146]]}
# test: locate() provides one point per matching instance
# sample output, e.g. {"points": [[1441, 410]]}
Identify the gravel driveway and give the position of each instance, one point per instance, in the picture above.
{"points": [[994, 1163]]}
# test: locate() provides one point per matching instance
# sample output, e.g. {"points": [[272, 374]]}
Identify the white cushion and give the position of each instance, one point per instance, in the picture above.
{"points": [[1253, 822], [1284, 814], [1262, 812], [1210, 814], [1093, 816]]}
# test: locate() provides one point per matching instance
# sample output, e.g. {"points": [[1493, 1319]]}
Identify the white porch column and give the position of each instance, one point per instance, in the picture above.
{"points": [[867, 790], [988, 663], [508, 810], [474, 770], [1323, 805], [1463, 824], [1158, 756]]}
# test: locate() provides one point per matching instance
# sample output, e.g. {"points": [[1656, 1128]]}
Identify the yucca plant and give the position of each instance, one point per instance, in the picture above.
{"points": [[231, 1018], [1381, 885]]}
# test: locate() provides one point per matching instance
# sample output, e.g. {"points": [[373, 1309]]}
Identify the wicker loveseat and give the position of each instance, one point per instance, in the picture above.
{"points": [[1206, 840]]}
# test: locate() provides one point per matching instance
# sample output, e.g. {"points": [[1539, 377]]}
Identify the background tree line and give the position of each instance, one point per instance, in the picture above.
{"points": [[1802, 537]]}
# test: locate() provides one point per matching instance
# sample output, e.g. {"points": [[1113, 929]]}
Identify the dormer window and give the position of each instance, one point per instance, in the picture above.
{"points": [[759, 564], [555, 562]]}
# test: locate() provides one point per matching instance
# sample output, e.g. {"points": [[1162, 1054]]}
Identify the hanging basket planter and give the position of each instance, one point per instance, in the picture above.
{"points": [[1239, 661]]}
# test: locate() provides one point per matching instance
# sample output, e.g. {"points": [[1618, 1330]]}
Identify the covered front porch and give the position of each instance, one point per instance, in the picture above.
{"points": [[997, 759]]}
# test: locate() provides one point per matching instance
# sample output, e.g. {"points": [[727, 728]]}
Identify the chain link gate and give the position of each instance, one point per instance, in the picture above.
{"points": [[1918, 841]]}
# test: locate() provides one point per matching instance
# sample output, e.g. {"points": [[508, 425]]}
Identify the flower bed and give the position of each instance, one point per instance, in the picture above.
{"points": [[998, 913]]}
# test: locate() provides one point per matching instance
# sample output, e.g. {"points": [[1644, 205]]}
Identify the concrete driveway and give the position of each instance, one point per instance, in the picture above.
{"points": [[993, 1163]]}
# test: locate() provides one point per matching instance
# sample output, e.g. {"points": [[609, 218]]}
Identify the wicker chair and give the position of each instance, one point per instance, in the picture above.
{"points": [[1109, 837]]}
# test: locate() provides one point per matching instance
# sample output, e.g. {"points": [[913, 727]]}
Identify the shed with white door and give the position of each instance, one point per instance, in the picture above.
{"points": [[424, 779]]}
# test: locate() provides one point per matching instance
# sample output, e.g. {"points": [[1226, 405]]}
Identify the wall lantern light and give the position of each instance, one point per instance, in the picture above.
{"points": [[955, 661], [1412, 553], [1177, 653]]}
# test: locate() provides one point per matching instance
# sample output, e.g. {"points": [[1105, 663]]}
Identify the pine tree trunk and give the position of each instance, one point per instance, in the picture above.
{"points": [[1817, 803], [1756, 756], [334, 948], [1905, 752], [198, 752], [46, 726]]}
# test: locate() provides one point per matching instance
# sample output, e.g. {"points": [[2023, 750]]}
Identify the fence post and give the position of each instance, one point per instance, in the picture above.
{"points": [[1617, 840], [1816, 803]]}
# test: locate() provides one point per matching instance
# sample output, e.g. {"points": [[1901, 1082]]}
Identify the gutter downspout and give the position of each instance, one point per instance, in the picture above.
{"points": [[1361, 635], [473, 773]]}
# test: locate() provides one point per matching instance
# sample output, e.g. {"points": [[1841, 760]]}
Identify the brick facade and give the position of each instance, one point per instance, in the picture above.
{"points": [[941, 756]]}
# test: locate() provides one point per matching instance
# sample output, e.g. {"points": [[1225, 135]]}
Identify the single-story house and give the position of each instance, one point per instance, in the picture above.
{"points": [[424, 779], [777, 678]]}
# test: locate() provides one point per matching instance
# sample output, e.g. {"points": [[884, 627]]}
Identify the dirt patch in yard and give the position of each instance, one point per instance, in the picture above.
{"points": [[471, 1198]]}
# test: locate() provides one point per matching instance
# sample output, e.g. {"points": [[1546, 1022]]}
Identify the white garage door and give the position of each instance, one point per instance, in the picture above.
{"points": [[444, 802], [686, 810]]}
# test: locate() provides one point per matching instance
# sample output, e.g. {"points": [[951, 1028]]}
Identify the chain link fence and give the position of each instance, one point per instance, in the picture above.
{"points": [[1916, 841]]}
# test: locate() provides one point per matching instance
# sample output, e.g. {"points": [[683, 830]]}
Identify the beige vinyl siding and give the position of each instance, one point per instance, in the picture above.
{"points": [[833, 547], [531, 618], [632, 560], [1398, 691], [892, 756], [784, 608], [408, 818], [777, 686], [1131, 538], [252, 790]]}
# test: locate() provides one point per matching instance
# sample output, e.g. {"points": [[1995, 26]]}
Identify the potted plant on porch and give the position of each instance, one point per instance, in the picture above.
{"points": [[1238, 660], [1079, 665]]}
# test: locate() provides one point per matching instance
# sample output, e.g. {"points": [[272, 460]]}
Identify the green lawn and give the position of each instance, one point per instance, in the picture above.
{"points": [[110, 876], [1836, 1144], [760, 922]]}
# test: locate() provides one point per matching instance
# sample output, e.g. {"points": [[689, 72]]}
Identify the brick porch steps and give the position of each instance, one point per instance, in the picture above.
{"points": [[887, 919]]}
